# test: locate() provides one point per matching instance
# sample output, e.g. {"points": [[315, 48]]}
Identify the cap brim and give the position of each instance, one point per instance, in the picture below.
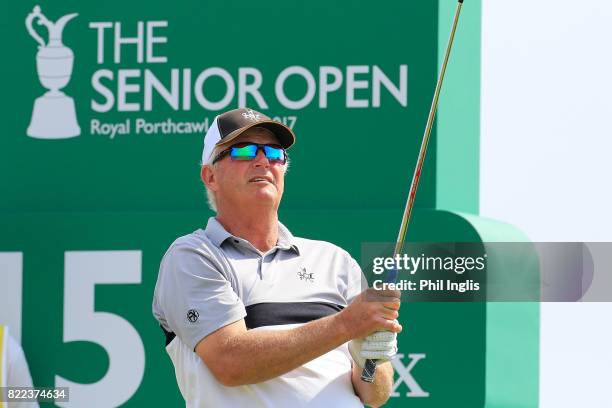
{"points": [[285, 136]]}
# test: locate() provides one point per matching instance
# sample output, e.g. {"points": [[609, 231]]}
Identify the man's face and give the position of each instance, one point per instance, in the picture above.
{"points": [[247, 183]]}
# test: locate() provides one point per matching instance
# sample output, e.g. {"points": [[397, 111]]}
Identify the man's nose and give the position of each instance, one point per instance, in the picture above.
{"points": [[261, 159]]}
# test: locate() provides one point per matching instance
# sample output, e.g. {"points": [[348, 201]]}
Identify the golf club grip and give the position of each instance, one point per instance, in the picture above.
{"points": [[369, 369], [367, 375]]}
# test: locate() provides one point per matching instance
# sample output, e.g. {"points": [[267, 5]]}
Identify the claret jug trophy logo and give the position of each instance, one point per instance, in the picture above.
{"points": [[54, 114]]}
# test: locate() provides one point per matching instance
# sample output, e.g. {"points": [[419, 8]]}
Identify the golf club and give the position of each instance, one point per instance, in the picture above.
{"points": [[370, 365]]}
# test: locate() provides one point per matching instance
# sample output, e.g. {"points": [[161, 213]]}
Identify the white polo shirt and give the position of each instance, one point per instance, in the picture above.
{"points": [[210, 278], [14, 371]]}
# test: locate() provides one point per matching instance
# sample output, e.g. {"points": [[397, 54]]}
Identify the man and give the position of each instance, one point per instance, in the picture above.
{"points": [[14, 371], [255, 317]]}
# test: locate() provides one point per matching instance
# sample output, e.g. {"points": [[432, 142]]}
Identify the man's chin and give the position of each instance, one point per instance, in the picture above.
{"points": [[267, 195]]}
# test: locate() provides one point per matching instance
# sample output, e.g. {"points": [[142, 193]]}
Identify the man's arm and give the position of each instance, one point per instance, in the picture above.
{"points": [[237, 356]]}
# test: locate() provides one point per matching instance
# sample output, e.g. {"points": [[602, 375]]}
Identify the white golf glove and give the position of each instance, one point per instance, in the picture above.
{"points": [[380, 345]]}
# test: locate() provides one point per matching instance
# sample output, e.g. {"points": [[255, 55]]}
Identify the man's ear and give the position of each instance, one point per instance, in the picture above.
{"points": [[208, 177]]}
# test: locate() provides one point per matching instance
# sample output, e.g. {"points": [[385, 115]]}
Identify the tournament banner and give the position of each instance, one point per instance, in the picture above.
{"points": [[104, 110]]}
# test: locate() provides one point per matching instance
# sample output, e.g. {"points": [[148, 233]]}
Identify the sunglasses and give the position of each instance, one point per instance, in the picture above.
{"points": [[248, 151]]}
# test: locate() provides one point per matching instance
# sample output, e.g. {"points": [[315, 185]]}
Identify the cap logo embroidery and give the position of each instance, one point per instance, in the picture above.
{"points": [[249, 114]]}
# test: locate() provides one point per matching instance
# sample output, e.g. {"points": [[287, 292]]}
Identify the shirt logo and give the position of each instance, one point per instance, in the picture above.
{"points": [[305, 276], [192, 315], [249, 114]]}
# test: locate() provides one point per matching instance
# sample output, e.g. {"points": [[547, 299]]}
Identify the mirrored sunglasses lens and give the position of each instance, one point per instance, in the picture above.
{"points": [[274, 153], [247, 152]]}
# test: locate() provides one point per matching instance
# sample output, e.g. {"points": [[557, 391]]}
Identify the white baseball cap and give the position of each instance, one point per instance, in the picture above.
{"points": [[231, 124]]}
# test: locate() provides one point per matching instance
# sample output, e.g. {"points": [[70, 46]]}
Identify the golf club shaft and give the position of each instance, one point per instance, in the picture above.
{"points": [[370, 366]]}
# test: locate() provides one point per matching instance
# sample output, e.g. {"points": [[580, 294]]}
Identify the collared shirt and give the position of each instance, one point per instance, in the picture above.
{"points": [[210, 278], [14, 371]]}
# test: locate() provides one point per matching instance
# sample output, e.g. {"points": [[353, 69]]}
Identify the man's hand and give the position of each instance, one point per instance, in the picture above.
{"points": [[371, 322], [373, 310]]}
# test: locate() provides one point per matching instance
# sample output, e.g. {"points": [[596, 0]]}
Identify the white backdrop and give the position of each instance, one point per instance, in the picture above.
{"points": [[546, 142]]}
